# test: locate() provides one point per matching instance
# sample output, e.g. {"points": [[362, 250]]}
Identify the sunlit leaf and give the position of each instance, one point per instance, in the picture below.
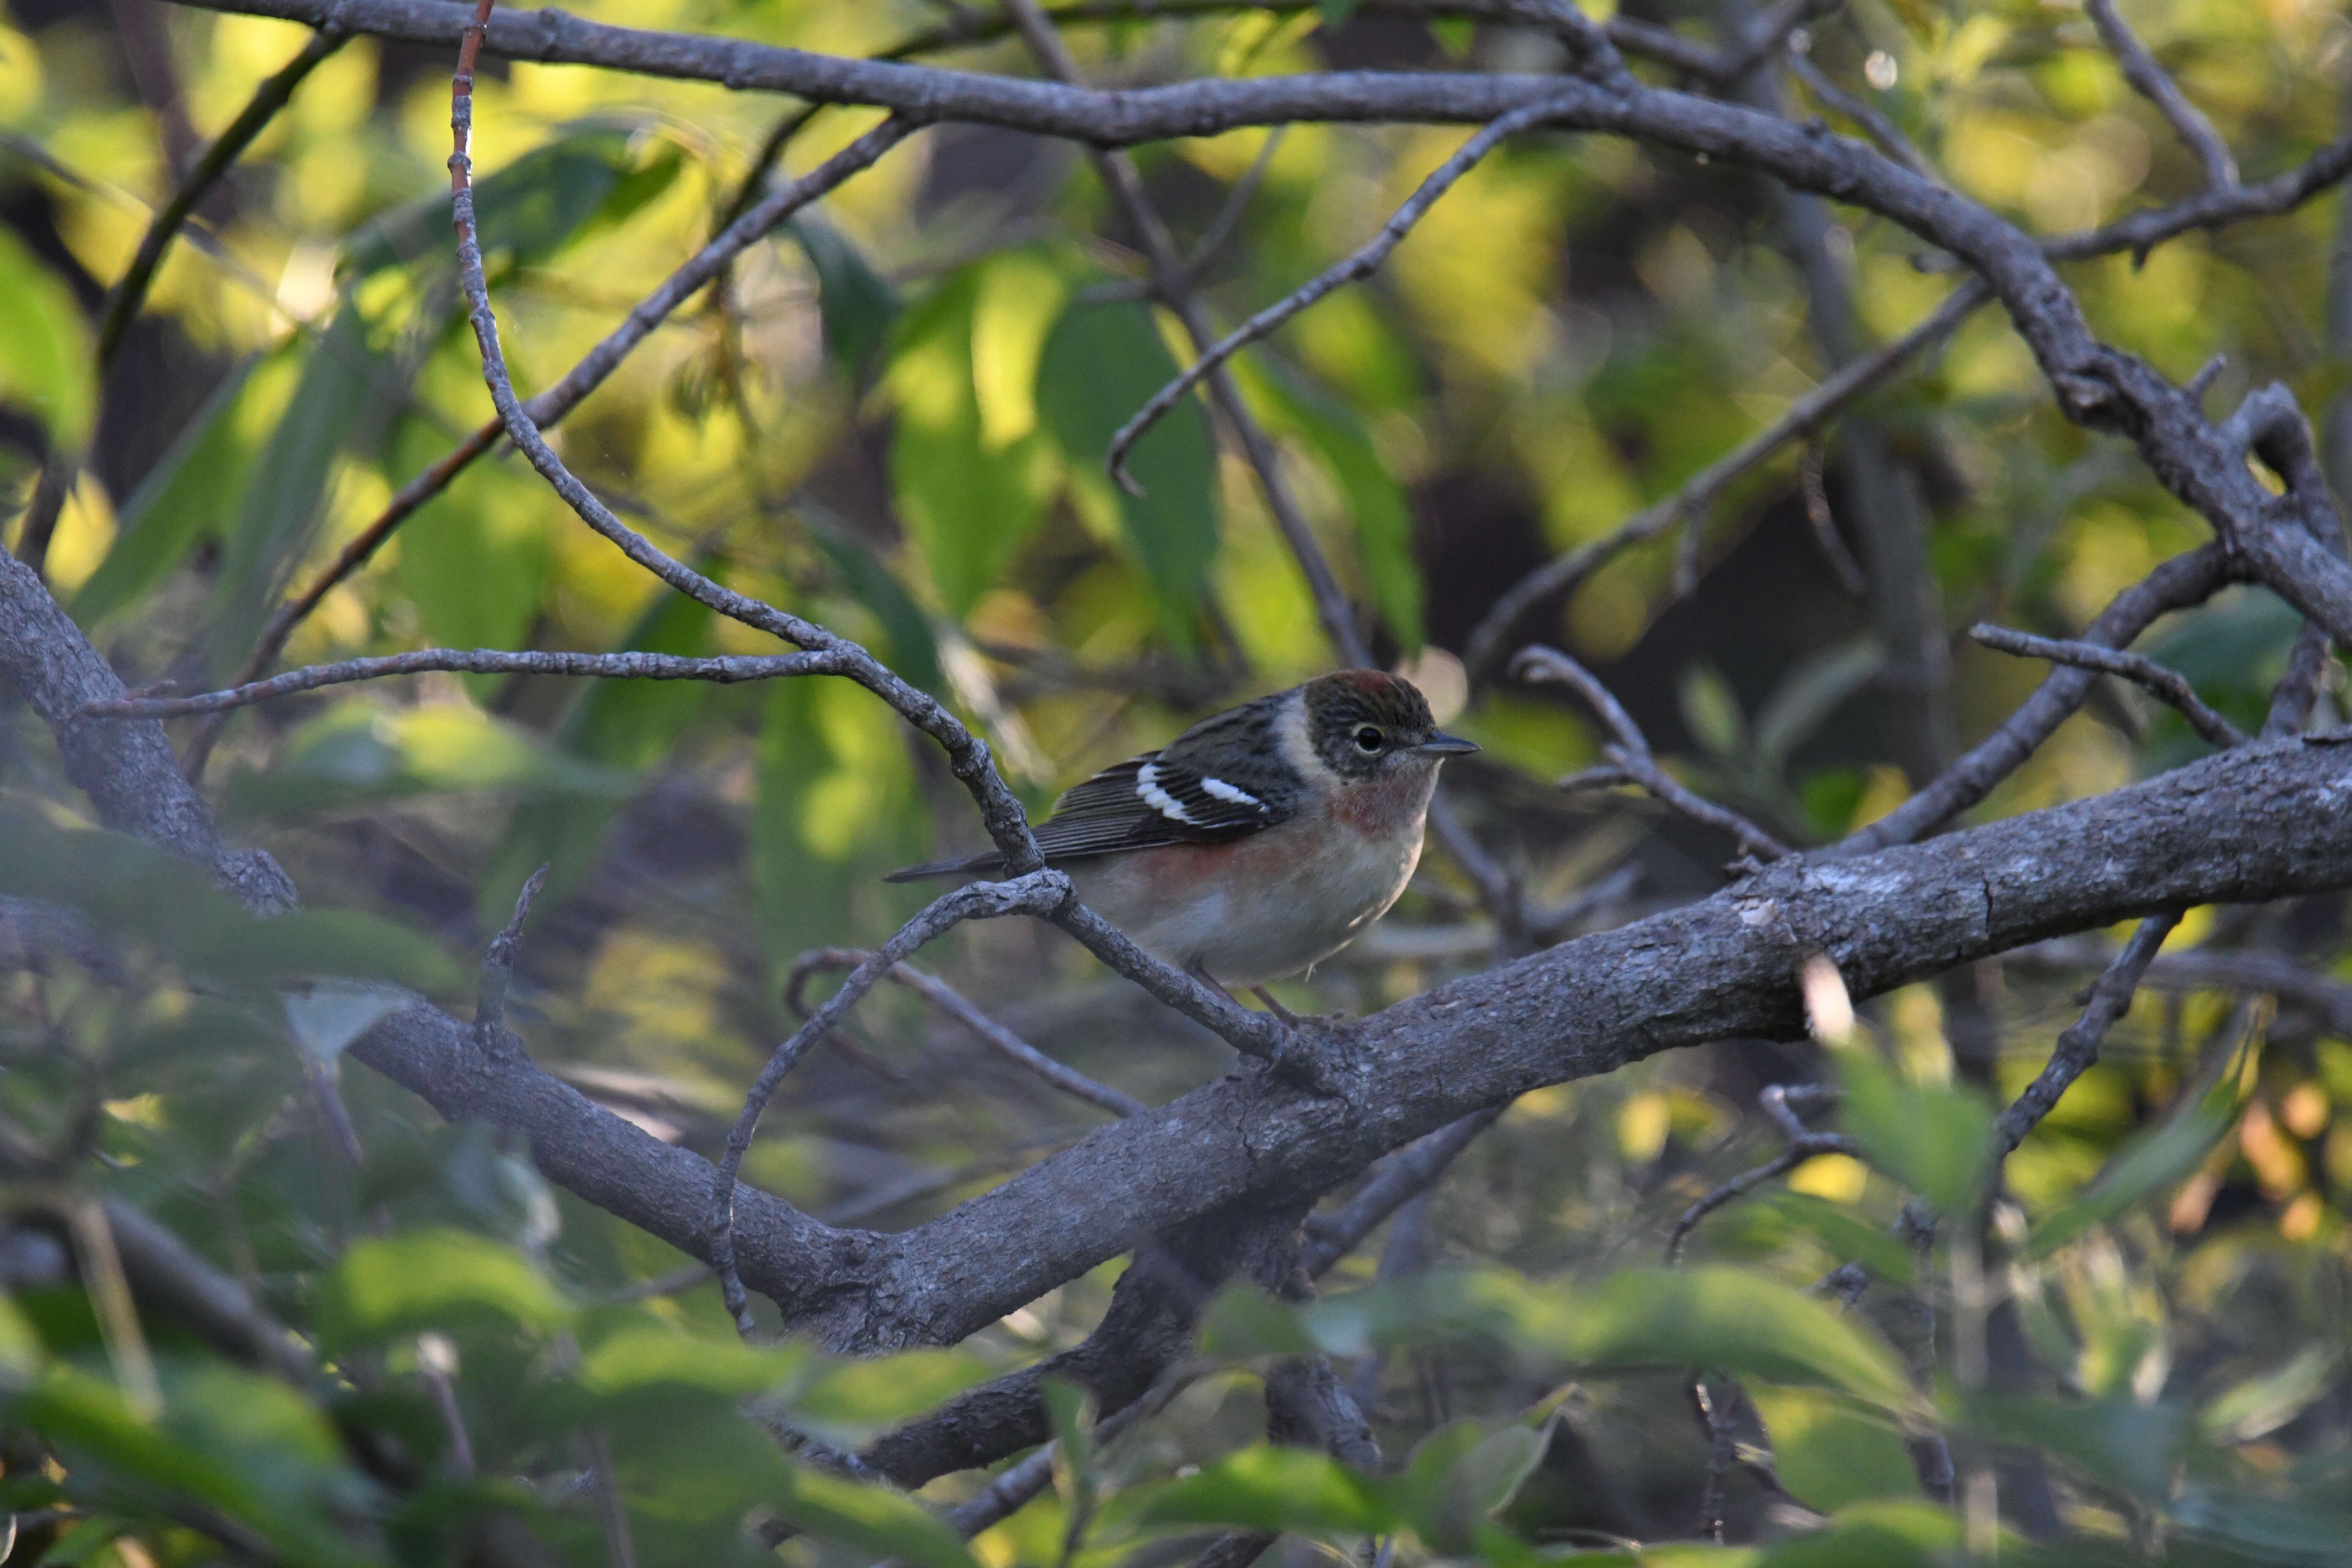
{"points": [[1268, 1488], [1848, 1236], [1729, 1319], [356, 753], [969, 506], [2264, 1402], [2151, 1163], [47, 353], [1831, 1453], [1380, 517], [876, 1522], [526, 210], [847, 1402], [344, 374], [189, 494], [1937, 1141], [1101, 364]]}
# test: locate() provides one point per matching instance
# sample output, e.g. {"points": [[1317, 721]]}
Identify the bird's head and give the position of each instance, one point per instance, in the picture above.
{"points": [[1366, 725]]}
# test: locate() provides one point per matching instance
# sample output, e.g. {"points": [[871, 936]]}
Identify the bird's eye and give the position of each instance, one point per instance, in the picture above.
{"points": [[1370, 739]]}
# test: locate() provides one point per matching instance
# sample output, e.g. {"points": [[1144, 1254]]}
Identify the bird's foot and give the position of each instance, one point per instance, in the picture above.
{"points": [[1318, 1053]]}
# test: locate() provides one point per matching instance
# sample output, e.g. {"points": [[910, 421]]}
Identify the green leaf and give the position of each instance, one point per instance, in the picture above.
{"points": [[908, 647], [526, 212], [847, 1402], [1808, 694], [189, 495], [1460, 1476], [618, 724], [1711, 712], [642, 1356], [1831, 1453], [1337, 12], [1729, 1319], [474, 561], [1244, 1322], [2264, 1404], [2153, 1162], [135, 890], [1847, 1235], [451, 1280], [325, 1019], [1873, 1535], [1268, 1488], [1381, 518], [855, 304], [968, 505], [357, 753], [878, 1522], [2119, 1443], [1937, 1141], [1101, 363], [342, 377], [230, 1441], [47, 355]]}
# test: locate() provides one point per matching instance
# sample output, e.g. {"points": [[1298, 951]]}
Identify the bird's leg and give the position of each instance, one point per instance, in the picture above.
{"points": [[1275, 1007], [1211, 981]]}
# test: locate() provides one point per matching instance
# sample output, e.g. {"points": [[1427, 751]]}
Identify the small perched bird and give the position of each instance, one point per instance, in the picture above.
{"points": [[1259, 841]]}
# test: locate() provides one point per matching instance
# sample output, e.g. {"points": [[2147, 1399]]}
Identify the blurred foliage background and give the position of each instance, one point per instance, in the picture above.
{"points": [[890, 418]]}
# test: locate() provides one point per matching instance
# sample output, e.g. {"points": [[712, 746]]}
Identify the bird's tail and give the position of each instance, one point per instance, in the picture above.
{"points": [[968, 866]]}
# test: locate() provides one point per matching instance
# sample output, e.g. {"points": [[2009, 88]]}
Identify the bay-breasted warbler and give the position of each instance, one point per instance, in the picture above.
{"points": [[1259, 841]]}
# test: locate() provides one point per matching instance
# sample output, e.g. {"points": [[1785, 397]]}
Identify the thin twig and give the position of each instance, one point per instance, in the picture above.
{"points": [[1564, 574], [59, 469], [1120, 178], [1359, 264], [2078, 1046], [1823, 520], [1630, 753], [2168, 685], [1875, 121], [498, 971], [552, 405], [1717, 1414], [2185, 579], [628, 665], [1804, 1143], [124, 300], [1011, 1490], [2153, 82], [1039, 893], [993, 1034]]}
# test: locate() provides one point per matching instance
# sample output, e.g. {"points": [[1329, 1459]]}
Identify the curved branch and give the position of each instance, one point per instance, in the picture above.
{"points": [[2168, 685], [1356, 265]]}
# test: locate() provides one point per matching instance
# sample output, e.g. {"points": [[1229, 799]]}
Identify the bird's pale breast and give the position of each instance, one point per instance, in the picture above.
{"points": [[1274, 902]]}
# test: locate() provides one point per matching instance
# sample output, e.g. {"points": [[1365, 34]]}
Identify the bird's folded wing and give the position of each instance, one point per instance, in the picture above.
{"points": [[1153, 800]]}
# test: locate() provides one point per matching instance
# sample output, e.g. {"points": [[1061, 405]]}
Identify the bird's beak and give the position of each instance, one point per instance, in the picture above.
{"points": [[1445, 745]]}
